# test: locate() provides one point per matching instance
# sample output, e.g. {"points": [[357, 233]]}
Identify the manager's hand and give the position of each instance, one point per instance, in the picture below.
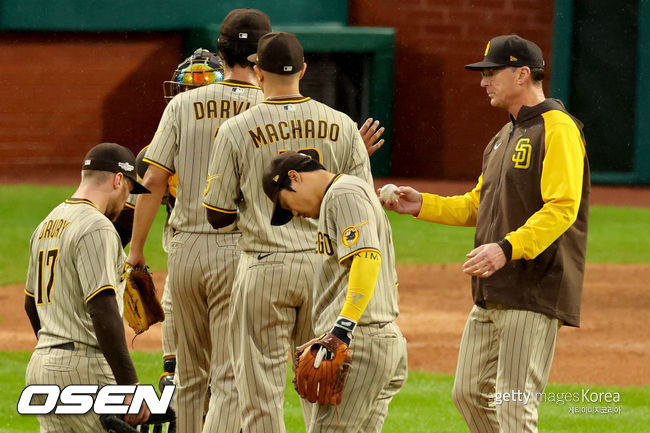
{"points": [[484, 260], [409, 202]]}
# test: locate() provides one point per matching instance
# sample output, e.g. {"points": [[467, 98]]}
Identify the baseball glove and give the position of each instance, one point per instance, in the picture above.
{"points": [[321, 367], [141, 305]]}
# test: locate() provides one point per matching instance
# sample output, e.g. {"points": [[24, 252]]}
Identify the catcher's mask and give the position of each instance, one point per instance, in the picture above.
{"points": [[201, 68]]}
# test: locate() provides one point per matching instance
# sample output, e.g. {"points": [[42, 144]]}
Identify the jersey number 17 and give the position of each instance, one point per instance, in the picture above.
{"points": [[49, 260]]}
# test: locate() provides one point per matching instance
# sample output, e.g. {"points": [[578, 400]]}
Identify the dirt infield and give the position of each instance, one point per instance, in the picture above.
{"points": [[611, 348]]}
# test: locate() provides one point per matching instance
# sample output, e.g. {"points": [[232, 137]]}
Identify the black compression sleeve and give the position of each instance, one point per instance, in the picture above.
{"points": [[124, 225], [109, 329], [220, 219], [30, 309]]}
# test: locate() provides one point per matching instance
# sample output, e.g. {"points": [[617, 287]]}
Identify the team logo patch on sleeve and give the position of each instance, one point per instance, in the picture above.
{"points": [[352, 234]]}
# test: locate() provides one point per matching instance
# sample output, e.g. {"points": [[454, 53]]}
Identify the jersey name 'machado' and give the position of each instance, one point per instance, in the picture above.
{"points": [[294, 129], [213, 109]]}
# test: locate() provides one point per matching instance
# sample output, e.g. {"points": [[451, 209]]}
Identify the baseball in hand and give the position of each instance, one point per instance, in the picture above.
{"points": [[389, 193]]}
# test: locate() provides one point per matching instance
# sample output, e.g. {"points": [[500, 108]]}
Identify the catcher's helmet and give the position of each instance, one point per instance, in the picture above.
{"points": [[201, 68]]}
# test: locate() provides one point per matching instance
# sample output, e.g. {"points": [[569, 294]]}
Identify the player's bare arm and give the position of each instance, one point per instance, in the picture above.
{"points": [[409, 202], [146, 209], [370, 133], [141, 416]]}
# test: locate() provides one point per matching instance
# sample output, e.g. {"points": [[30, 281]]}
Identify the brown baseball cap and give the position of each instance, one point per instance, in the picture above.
{"points": [[509, 50], [245, 25], [114, 158], [276, 176], [279, 53]]}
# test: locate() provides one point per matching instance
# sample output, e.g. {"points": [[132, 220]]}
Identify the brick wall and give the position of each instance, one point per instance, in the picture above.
{"points": [[63, 93], [442, 116]]}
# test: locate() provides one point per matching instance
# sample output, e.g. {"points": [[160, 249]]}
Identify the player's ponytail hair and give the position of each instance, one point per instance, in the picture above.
{"points": [[235, 52]]}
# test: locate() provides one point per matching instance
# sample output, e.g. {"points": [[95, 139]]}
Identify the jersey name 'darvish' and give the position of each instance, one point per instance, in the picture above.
{"points": [[184, 140]]}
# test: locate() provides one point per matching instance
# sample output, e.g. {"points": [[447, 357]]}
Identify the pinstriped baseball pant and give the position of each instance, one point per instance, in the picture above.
{"points": [[503, 351], [201, 273], [270, 314], [83, 365], [168, 327], [379, 369]]}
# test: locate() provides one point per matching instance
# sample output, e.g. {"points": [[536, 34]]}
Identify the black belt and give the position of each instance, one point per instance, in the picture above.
{"points": [[64, 346]]}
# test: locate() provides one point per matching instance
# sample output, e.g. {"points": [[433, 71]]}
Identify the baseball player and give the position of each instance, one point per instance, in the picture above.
{"points": [[530, 209], [199, 69], [272, 294], [201, 262], [73, 296], [168, 328], [355, 284]]}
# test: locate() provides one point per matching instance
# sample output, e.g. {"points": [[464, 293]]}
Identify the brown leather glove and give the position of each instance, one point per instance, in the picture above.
{"points": [[141, 305], [321, 368]]}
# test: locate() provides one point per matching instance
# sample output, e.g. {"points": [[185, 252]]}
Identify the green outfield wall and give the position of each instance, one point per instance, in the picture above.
{"points": [[601, 69]]}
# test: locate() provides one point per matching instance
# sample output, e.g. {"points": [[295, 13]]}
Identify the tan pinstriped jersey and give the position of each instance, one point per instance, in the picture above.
{"points": [[75, 254], [352, 221], [247, 143], [183, 141]]}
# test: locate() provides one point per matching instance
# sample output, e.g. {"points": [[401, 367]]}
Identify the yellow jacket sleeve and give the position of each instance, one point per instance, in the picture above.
{"points": [[457, 210], [561, 187], [362, 280]]}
